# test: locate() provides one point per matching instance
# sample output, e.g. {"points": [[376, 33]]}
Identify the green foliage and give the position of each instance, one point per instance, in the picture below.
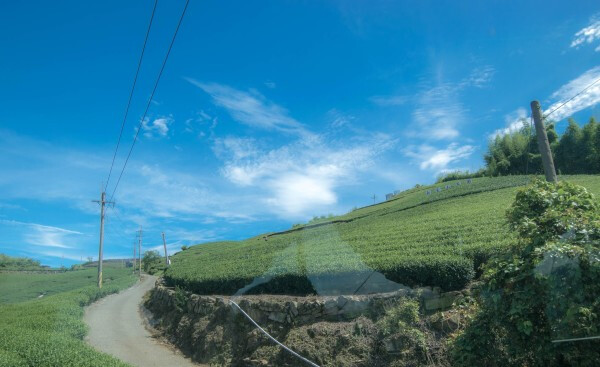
{"points": [[577, 151], [152, 262], [415, 239], [546, 288], [400, 329], [460, 175], [402, 316], [49, 331], [18, 263]]}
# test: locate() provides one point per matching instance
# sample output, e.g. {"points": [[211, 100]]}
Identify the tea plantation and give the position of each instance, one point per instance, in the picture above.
{"points": [[48, 330], [424, 236]]}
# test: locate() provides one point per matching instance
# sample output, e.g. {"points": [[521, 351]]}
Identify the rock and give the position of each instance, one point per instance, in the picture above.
{"points": [[292, 308], [277, 317], [330, 307]]}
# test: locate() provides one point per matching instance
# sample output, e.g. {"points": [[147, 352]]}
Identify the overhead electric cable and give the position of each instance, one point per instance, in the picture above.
{"points": [[570, 99], [137, 72], [151, 97]]}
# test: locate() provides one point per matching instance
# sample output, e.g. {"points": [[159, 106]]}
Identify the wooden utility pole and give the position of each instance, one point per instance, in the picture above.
{"points": [[543, 144], [134, 262], [102, 203], [165, 247], [140, 251]]}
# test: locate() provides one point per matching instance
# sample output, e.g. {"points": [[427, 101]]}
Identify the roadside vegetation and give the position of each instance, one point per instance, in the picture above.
{"points": [[153, 263], [540, 302], [422, 237], [42, 317]]}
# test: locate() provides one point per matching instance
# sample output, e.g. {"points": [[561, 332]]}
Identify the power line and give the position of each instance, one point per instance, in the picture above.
{"points": [[570, 99], [151, 96], [137, 72]]}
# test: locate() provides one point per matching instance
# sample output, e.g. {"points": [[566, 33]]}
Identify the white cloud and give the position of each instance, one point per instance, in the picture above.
{"points": [[238, 148], [44, 236], [157, 128], [479, 77], [586, 99], [587, 35], [514, 122], [303, 176], [431, 158], [439, 112], [251, 108]]}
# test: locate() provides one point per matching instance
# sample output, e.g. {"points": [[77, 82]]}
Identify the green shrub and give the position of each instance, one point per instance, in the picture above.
{"points": [[547, 288]]}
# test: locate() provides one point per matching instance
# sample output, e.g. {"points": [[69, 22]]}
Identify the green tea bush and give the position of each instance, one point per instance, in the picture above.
{"points": [[49, 331], [441, 239], [545, 290]]}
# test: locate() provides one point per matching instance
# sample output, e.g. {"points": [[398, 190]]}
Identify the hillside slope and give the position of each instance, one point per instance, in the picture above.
{"points": [[421, 237]]}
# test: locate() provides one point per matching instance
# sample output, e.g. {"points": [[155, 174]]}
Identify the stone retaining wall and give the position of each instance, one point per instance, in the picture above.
{"points": [[299, 310]]}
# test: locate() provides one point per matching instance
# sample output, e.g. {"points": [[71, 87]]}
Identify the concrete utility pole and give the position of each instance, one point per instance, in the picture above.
{"points": [[543, 144], [374, 198], [102, 203], [140, 250], [134, 263], [165, 247]]}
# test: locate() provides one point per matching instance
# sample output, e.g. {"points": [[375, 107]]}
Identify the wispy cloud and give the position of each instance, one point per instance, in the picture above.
{"points": [[588, 35], [438, 160], [439, 111], [514, 122], [391, 100], [586, 99], [156, 128], [251, 108], [45, 236]]}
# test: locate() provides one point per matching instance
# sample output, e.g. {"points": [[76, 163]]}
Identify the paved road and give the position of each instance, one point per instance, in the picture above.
{"points": [[117, 328]]}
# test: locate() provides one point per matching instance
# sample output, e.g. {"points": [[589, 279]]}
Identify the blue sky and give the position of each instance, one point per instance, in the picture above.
{"points": [[268, 112]]}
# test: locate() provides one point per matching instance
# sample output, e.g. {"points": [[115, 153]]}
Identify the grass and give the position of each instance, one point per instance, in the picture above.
{"points": [[439, 239], [49, 331]]}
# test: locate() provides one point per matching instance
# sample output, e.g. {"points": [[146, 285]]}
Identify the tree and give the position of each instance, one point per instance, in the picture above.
{"points": [[152, 262], [590, 156], [569, 154]]}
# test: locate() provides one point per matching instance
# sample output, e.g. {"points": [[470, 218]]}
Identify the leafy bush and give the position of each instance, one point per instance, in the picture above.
{"points": [[18, 263], [546, 288], [460, 175], [152, 262]]}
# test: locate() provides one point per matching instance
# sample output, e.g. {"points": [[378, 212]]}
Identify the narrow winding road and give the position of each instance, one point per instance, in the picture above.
{"points": [[117, 327]]}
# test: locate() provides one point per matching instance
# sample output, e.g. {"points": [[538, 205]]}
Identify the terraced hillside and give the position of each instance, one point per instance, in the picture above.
{"points": [[436, 239]]}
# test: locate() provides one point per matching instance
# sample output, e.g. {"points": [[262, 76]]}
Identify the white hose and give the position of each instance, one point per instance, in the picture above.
{"points": [[270, 337]]}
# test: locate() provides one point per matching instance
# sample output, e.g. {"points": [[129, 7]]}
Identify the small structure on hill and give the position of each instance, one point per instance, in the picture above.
{"points": [[389, 196]]}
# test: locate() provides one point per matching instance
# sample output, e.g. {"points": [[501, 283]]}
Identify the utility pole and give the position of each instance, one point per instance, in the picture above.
{"points": [[543, 144], [140, 251], [134, 262], [165, 247], [374, 198], [102, 203]]}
